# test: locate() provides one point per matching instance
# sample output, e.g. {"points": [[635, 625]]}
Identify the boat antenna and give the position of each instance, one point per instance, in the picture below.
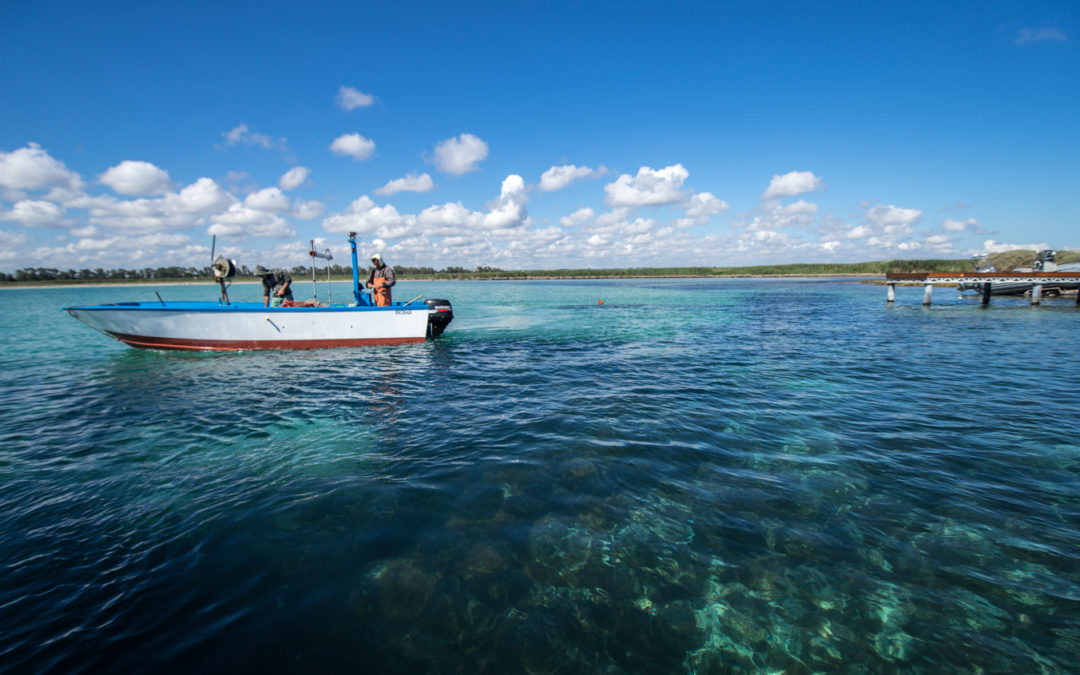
{"points": [[327, 256]]}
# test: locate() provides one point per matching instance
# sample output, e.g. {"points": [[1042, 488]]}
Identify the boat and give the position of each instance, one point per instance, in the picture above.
{"points": [[235, 326], [1045, 261]]}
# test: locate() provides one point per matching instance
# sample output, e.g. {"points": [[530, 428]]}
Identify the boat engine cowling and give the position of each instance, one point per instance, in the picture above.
{"points": [[440, 314]]}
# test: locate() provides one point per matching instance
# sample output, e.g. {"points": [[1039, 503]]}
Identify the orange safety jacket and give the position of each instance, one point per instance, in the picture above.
{"points": [[381, 279]]}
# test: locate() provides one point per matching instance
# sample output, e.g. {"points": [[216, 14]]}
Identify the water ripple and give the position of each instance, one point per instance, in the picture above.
{"points": [[697, 475]]}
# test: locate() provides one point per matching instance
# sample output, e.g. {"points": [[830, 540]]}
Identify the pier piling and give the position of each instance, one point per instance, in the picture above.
{"points": [[984, 282]]}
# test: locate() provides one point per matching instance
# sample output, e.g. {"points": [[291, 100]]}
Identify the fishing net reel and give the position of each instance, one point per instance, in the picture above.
{"points": [[224, 270]]}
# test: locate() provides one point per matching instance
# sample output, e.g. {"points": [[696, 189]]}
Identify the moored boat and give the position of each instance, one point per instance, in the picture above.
{"points": [[232, 326]]}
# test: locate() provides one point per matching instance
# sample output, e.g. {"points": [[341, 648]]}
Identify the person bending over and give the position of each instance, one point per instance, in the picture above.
{"points": [[276, 284]]}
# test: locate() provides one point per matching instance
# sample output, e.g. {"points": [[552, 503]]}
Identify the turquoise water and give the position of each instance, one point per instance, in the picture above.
{"points": [[696, 476]]}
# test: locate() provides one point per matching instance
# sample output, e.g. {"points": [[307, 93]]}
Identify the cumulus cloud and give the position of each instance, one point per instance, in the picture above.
{"points": [[32, 168], [363, 215], [791, 184], [135, 178], [460, 155], [174, 210], [268, 199], [582, 215], [349, 98], [410, 183], [241, 221], [306, 210], [35, 213], [558, 177], [353, 145], [893, 218], [648, 188], [294, 178], [242, 134], [504, 213], [508, 209], [1029, 35], [703, 205]]}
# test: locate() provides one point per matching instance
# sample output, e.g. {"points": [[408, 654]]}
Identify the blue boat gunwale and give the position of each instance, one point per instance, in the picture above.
{"points": [[236, 307]]}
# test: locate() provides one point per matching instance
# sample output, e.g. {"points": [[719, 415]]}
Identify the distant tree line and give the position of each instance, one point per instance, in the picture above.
{"points": [[1003, 261]]}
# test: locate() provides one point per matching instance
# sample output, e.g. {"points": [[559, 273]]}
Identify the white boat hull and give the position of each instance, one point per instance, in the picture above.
{"points": [[243, 326]]}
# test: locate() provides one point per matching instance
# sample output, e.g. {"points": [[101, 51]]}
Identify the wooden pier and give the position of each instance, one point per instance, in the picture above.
{"points": [[986, 280]]}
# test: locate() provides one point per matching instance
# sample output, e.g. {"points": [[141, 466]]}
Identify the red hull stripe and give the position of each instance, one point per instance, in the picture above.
{"points": [[145, 342]]}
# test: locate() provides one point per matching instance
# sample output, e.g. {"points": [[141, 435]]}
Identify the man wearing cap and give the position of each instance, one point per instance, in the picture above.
{"points": [[379, 280], [276, 283]]}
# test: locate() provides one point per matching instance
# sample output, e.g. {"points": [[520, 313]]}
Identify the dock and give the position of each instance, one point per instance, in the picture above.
{"points": [[1039, 280]]}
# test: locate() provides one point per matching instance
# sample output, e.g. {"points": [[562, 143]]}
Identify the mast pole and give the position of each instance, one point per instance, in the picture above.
{"points": [[355, 268]]}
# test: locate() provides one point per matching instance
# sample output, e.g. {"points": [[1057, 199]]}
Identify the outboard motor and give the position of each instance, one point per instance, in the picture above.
{"points": [[440, 314]]}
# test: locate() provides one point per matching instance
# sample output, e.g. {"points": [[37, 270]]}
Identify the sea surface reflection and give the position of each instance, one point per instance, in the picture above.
{"points": [[696, 475]]}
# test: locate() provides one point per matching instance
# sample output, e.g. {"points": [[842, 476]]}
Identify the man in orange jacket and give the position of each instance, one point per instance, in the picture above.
{"points": [[379, 280]]}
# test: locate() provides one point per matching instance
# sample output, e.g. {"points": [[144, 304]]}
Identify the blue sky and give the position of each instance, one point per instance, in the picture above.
{"points": [[536, 135]]}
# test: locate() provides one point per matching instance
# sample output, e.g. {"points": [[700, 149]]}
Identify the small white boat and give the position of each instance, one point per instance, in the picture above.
{"points": [[226, 326]]}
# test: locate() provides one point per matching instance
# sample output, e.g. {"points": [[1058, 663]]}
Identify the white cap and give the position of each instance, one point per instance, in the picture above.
{"points": [[377, 257]]}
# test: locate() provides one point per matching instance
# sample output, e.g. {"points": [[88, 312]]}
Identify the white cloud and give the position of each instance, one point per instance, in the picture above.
{"points": [[242, 134], [363, 216], [135, 178], [174, 210], [460, 155], [294, 178], [951, 225], [306, 210], [270, 200], [892, 218], [703, 205], [349, 98], [505, 213], [791, 184], [241, 221], [772, 215], [447, 218], [32, 168], [32, 213], [354, 145], [859, 232], [10, 240], [648, 188], [582, 215], [202, 197], [508, 210], [410, 183], [1029, 35], [991, 246], [558, 177]]}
